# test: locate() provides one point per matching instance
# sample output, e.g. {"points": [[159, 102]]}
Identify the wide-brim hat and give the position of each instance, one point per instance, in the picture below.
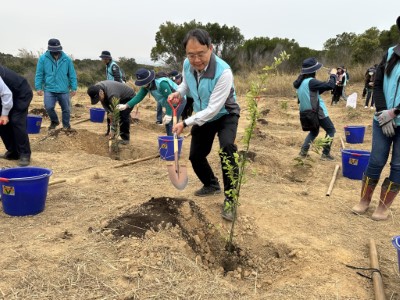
{"points": [[144, 77], [54, 45], [93, 92], [310, 65], [105, 55]]}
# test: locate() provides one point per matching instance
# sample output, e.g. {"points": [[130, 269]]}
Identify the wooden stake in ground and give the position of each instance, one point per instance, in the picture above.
{"points": [[328, 193], [376, 275], [57, 182], [81, 121], [343, 145], [136, 161]]}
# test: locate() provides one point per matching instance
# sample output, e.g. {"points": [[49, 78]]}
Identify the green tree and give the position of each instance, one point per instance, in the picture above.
{"points": [[339, 48], [169, 38], [366, 46], [389, 37]]}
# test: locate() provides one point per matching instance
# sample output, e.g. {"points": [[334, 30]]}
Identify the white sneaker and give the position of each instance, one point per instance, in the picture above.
{"points": [[365, 106]]}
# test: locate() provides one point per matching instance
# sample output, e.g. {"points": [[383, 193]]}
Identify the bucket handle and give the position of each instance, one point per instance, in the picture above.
{"points": [[396, 243], [3, 179]]}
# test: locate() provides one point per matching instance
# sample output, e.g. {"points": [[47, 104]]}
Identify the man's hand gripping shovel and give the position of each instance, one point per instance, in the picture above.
{"points": [[177, 174]]}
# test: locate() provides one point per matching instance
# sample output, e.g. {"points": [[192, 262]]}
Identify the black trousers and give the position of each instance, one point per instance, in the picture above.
{"points": [[124, 123], [201, 145], [188, 110], [14, 134]]}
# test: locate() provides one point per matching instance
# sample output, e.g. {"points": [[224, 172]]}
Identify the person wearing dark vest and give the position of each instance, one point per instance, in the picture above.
{"points": [[16, 95], [209, 80], [104, 91], [385, 137], [188, 110], [56, 76], [160, 88], [309, 92]]}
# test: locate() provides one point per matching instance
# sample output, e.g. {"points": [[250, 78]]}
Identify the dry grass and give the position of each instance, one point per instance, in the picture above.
{"points": [[281, 85]]}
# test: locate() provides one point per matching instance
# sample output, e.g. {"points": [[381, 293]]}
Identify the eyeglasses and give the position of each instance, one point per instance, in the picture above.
{"points": [[199, 55]]}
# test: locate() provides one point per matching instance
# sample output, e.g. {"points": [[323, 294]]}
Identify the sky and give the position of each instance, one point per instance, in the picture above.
{"points": [[127, 28]]}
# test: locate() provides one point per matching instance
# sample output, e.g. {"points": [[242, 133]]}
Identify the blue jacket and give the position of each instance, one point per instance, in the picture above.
{"points": [[55, 76], [201, 92]]}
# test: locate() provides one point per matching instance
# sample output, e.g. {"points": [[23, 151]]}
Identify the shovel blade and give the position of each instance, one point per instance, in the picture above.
{"points": [[135, 116], [178, 176]]}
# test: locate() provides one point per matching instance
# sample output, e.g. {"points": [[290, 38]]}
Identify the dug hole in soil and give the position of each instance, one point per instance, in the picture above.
{"points": [[127, 233]]}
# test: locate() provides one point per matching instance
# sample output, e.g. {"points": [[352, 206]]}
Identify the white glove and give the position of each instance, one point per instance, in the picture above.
{"points": [[385, 116], [388, 128], [121, 106], [167, 119]]}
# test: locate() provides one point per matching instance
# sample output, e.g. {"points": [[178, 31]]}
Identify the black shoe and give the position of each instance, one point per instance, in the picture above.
{"points": [[124, 142], [303, 154], [24, 161], [53, 125], [227, 210], [10, 155], [212, 189], [327, 157], [159, 122]]}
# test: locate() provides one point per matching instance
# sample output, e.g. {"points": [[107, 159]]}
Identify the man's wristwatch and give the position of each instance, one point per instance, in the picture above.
{"points": [[397, 111], [184, 124]]}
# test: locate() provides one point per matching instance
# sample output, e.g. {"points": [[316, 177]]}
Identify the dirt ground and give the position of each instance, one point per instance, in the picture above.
{"points": [[127, 233]]}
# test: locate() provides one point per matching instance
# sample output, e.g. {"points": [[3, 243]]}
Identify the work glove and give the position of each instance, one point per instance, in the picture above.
{"points": [[388, 128], [333, 71], [167, 119], [121, 107], [385, 116]]}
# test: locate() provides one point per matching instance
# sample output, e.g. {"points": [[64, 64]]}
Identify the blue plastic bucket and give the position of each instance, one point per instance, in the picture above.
{"points": [[24, 190], [166, 147], [354, 163], [33, 123], [354, 134], [97, 114], [396, 244]]}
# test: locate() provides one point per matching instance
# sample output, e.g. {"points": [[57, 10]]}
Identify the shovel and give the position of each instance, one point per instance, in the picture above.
{"points": [[177, 174], [135, 115]]}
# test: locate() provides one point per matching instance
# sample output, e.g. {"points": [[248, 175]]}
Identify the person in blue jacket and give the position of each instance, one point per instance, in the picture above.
{"points": [[308, 91], [209, 81], [56, 79], [385, 137], [160, 89]]}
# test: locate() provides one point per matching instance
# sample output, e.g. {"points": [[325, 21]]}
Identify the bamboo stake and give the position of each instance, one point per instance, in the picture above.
{"points": [[328, 193], [376, 276], [57, 181], [81, 121], [343, 145], [136, 161]]}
